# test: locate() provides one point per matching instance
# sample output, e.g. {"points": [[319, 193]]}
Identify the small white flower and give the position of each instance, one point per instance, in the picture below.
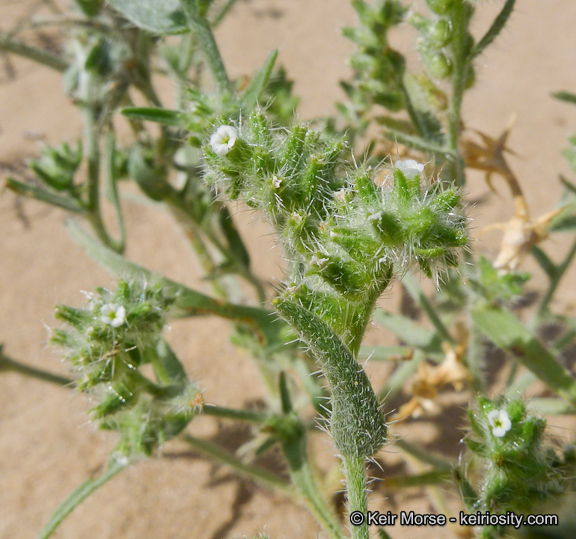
{"points": [[276, 182], [375, 216], [500, 422], [296, 217], [224, 139], [113, 314], [409, 168]]}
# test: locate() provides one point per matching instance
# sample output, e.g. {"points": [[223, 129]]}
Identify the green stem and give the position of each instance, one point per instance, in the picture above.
{"points": [[460, 58], [10, 365], [43, 57], [433, 477], [44, 195], [222, 13], [554, 282], [92, 149], [423, 456], [232, 413], [248, 471], [200, 26], [356, 489], [303, 478], [109, 155], [191, 229], [78, 496], [417, 295]]}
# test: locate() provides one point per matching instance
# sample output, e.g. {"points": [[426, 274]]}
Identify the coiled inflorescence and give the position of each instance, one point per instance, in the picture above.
{"points": [[519, 470], [107, 343], [343, 233], [344, 236]]}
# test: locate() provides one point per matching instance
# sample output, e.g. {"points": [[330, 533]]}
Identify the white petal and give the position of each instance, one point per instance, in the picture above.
{"points": [[492, 416], [224, 139], [409, 167], [499, 432]]}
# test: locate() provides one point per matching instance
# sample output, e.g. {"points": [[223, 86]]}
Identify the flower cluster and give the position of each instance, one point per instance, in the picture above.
{"points": [[518, 468], [107, 343], [344, 231]]}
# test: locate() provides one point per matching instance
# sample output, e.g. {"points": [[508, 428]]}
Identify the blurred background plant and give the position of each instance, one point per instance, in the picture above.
{"points": [[346, 230]]}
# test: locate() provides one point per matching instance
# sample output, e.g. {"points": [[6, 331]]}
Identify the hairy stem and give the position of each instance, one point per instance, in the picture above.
{"points": [[303, 478], [356, 489], [10, 365], [249, 471], [200, 26], [40, 56]]}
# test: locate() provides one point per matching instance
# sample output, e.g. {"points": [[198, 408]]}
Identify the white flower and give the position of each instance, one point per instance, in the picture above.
{"points": [[112, 314], [409, 168], [224, 139], [500, 422], [296, 217], [276, 182], [375, 216]]}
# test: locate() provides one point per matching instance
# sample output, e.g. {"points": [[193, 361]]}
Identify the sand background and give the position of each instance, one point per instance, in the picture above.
{"points": [[47, 447]]}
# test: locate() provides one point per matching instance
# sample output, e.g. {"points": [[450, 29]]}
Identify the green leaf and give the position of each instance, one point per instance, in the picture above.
{"points": [[409, 332], [418, 296], [497, 26], [569, 185], [78, 496], [507, 332], [544, 261], [167, 366], [569, 97], [285, 394], [159, 17], [418, 143], [173, 118], [44, 195], [469, 495], [258, 85], [549, 406], [565, 221], [420, 111]]}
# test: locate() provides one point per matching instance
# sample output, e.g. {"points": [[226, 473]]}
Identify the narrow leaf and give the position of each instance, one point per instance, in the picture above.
{"points": [[547, 406], [497, 26], [418, 143], [164, 18], [162, 116], [569, 97], [507, 332], [417, 295], [44, 195], [544, 261], [254, 92], [78, 496], [409, 332]]}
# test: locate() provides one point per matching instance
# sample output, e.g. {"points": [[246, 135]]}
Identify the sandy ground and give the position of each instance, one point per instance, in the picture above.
{"points": [[47, 446]]}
